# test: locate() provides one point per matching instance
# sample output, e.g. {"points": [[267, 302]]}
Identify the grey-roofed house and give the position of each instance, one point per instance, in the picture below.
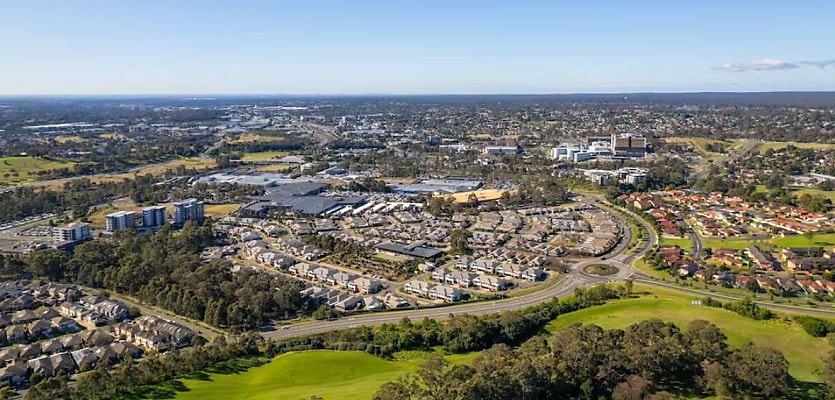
{"points": [[445, 293], [14, 374], [62, 362], [416, 250], [365, 285]]}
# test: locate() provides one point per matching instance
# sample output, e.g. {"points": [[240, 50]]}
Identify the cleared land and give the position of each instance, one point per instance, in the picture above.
{"points": [[157, 169], [15, 170], [700, 145], [804, 353], [762, 147], [329, 374], [255, 137], [276, 168], [481, 195], [264, 155], [219, 210]]}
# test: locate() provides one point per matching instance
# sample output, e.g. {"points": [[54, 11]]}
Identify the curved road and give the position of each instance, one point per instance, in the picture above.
{"points": [[576, 278]]}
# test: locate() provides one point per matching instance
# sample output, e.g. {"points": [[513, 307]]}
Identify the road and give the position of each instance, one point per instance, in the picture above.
{"points": [[576, 278]]}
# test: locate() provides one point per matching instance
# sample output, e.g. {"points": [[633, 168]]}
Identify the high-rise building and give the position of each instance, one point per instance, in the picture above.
{"points": [[629, 145], [74, 232], [188, 210], [121, 220], [153, 216]]}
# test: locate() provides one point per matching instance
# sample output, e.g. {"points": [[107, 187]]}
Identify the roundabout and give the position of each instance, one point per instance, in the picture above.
{"points": [[601, 269]]}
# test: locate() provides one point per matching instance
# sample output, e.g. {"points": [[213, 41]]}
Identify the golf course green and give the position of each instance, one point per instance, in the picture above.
{"points": [[804, 353]]}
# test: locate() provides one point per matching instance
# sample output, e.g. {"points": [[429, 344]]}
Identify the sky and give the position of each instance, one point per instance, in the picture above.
{"points": [[97, 47]]}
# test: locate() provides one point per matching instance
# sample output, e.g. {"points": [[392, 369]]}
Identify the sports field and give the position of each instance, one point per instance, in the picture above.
{"points": [[329, 374], [15, 170], [804, 352]]}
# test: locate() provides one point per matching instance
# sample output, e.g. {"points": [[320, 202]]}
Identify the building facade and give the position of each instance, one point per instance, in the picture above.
{"points": [[188, 210], [120, 220], [153, 216], [74, 232]]}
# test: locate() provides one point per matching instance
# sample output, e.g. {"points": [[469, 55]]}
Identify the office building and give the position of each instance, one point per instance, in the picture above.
{"points": [[503, 150], [121, 220], [153, 216], [629, 145], [74, 232], [188, 210]]}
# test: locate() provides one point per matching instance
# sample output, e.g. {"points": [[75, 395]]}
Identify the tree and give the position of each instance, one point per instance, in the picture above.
{"points": [[635, 387], [829, 373], [759, 371], [458, 241]]}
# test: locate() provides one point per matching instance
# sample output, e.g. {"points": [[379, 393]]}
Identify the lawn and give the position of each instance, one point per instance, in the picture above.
{"points": [[15, 170], [684, 243], [804, 353], [824, 239], [219, 210], [829, 194], [328, 374], [264, 155]]}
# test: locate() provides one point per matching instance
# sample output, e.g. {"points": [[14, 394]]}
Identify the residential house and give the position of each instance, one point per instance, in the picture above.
{"points": [[445, 293], [14, 375], [41, 366], [15, 334], [460, 277], [440, 274], [64, 325], [373, 303], [320, 274], [533, 274], [62, 363], [51, 346], [365, 285], [511, 270], [486, 266], [85, 358], [417, 287], [39, 329], [341, 279], [490, 283]]}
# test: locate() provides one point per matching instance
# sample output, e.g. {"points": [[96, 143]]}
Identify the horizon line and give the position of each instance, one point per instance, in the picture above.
{"points": [[221, 95]]}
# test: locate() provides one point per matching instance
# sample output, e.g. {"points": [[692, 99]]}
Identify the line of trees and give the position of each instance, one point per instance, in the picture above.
{"points": [[644, 361]]}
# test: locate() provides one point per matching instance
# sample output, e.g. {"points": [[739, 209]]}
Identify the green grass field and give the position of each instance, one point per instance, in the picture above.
{"points": [[762, 147], [804, 352], [329, 374], [220, 210], [264, 155], [829, 194], [15, 170], [684, 243]]}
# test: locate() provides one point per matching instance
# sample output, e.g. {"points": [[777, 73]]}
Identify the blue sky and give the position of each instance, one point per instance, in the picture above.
{"points": [[414, 47]]}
